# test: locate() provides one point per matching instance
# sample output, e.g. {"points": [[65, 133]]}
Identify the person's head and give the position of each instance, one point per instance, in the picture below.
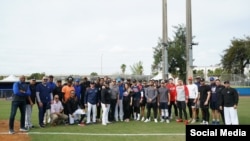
{"points": [[170, 80], [162, 83], [92, 84], [217, 82], [202, 81], [198, 78], [180, 82], [190, 80], [113, 82], [144, 82], [44, 79], [151, 83], [22, 78], [72, 93], [212, 80], [32, 81], [70, 80], [227, 83], [134, 82], [51, 77], [77, 82], [59, 82], [56, 98], [127, 85]]}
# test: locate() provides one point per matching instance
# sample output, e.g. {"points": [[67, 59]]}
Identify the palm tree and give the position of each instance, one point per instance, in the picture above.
{"points": [[123, 68]]}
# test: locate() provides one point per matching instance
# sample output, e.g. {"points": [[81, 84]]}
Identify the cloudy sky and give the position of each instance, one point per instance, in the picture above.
{"points": [[84, 36]]}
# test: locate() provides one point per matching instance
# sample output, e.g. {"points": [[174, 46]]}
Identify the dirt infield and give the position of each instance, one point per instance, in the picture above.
{"points": [[18, 136]]}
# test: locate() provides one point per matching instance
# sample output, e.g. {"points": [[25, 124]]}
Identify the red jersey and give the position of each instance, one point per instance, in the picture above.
{"points": [[172, 90]]}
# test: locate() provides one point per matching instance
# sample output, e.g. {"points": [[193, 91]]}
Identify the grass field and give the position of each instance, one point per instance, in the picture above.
{"points": [[132, 131]]}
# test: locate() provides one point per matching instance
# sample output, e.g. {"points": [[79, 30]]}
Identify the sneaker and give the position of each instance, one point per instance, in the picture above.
{"points": [[81, 124], [11, 132], [186, 122], [147, 120], [167, 120], [206, 123], [162, 120], [23, 130], [104, 124], [142, 119], [42, 125], [109, 122], [179, 120], [217, 123], [193, 121], [155, 120], [203, 122]]}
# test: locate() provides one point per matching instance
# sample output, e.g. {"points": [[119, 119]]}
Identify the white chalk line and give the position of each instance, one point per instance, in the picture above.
{"points": [[97, 134]]}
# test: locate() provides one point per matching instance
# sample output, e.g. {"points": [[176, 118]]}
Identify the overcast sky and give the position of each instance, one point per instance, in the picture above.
{"points": [[84, 36]]}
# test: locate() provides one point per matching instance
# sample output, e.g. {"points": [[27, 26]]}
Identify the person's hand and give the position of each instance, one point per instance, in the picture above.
{"points": [[235, 106], [40, 104], [205, 103]]}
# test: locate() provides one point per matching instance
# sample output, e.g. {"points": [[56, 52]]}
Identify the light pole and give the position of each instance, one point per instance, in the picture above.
{"points": [[101, 64], [189, 54], [164, 40]]}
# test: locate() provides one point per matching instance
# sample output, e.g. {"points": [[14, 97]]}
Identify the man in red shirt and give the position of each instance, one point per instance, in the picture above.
{"points": [[172, 90]]}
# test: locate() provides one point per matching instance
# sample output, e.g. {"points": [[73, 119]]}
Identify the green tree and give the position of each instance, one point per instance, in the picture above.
{"points": [[218, 72], [210, 73], [123, 68], [93, 74], [200, 73], [237, 56], [137, 68], [37, 76]]}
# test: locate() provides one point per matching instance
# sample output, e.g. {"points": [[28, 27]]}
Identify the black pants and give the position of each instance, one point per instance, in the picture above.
{"points": [[22, 107], [126, 108], [98, 111], [111, 116], [172, 103], [182, 108], [149, 106]]}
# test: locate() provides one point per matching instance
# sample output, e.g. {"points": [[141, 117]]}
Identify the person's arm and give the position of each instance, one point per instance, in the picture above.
{"points": [[208, 95], [31, 102], [236, 98], [186, 93]]}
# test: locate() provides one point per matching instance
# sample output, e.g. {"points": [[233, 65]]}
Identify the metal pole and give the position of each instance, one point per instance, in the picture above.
{"points": [[164, 40], [189, 61]]}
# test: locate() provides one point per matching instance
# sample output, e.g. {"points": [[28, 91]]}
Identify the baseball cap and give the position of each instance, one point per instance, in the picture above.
{"points": [[211, 79], [70, 78], [118, 80], [77, 80], [202, 79], [226, 82]]}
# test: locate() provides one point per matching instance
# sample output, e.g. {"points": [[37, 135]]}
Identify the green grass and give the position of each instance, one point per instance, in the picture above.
{"points": [[117, 128]]}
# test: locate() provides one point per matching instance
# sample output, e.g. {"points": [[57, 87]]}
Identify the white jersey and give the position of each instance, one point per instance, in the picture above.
{"points": [[193, 91]]}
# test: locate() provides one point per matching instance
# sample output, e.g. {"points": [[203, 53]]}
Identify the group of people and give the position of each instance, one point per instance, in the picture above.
{"points": [[110, 100]]}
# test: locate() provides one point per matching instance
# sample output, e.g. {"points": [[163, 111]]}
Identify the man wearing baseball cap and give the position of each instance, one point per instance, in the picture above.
{"points": [[204, 97], [229, 101]]}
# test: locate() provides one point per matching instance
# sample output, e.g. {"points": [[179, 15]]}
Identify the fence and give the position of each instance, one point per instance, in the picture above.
{"points": [[6, 93]]}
